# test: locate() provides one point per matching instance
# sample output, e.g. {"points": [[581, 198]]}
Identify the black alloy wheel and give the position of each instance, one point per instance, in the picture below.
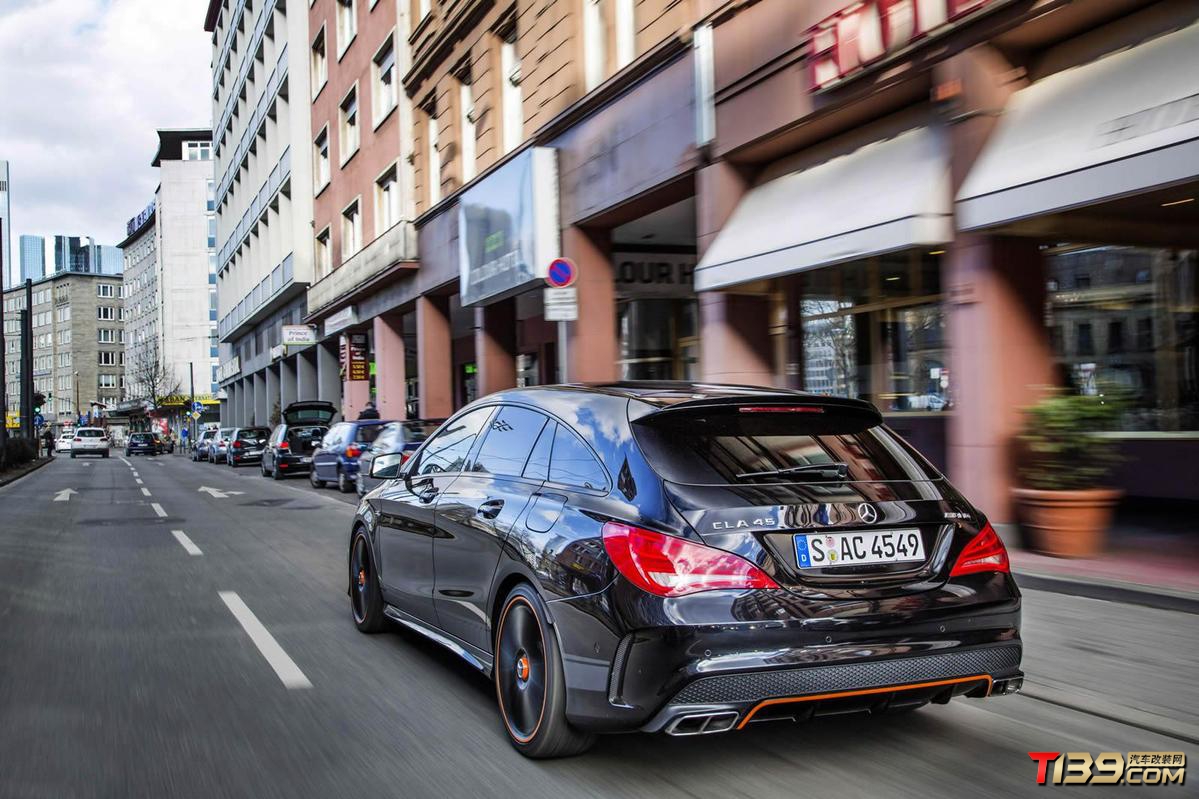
{"points": [[366, 600], [315, 481], [529, 681]]}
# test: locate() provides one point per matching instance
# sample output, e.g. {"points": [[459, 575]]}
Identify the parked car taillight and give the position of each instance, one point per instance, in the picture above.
{"points": [[284, 445], [238, 445], [353, 451], [984, 553], [79, 439], [666, 565]]}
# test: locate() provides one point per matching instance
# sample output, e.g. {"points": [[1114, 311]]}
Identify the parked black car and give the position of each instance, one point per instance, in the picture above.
{"points": [[685, 558], [142, 444], [246, 445], [395, 437], [291, 444]]}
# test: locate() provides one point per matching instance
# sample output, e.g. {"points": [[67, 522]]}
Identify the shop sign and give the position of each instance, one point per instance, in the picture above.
{"points": [[650, 275], [299, 335], [865, 33], [508, 227], [342, 319], [135, 224], [355, 357], [561, 305], [229, 368]]}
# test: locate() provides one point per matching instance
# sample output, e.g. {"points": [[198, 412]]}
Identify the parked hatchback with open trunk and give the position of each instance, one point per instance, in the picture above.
{"points": [[291, 444]]}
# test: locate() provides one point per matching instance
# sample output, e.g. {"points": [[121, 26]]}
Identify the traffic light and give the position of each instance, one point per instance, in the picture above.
{"points": [[39, 399]]}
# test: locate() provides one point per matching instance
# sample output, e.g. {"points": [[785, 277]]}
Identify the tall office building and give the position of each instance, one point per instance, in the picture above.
{"points": [[170, 264], [9, 270], [33, 258], [70, 254], [261, 134], [105, 259]]}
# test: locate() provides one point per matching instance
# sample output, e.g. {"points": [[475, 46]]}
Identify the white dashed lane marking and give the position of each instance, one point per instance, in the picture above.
{"points": [[287, 670], [187, 543], [158, 509]]}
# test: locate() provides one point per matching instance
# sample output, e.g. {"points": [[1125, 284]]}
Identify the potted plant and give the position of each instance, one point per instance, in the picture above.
{"points": [[1062, 502]]}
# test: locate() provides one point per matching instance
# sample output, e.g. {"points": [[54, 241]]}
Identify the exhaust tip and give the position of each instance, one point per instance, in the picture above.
{"points": [[703, 723], [1007, 687]]}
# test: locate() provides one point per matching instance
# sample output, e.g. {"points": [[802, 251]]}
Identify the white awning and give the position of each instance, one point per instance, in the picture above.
{"points": [[887, 195], [1124, 124]]}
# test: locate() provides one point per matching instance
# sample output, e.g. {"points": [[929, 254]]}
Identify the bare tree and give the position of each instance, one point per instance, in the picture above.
{"points": [[153, 380]]}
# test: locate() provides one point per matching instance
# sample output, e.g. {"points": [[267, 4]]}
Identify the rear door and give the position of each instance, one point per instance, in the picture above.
{"points": [[474, 516], [823, 495], [324, 459]]}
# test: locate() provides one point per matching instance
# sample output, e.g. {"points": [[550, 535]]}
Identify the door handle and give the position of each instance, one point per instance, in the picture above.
{"points": [[491, 508], [427, 494]]}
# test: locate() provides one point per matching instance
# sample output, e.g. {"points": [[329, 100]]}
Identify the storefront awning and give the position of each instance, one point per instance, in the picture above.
{"points": [[1124, 124], [890, 194]]}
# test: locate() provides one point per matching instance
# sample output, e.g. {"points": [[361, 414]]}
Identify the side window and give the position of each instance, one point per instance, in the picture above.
{"points": [[386, 440], [509, 441], [573, 464], [447, 451], [538, 467], [333, 437]]}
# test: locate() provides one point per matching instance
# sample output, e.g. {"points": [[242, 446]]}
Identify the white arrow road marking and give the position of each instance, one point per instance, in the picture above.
{"points": [[189, 546], [64, 495], [284, 666], [158, 509], [218, 493]]}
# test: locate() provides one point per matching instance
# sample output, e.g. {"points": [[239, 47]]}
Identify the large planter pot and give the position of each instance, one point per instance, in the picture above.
{"points": [[1067, 524]]}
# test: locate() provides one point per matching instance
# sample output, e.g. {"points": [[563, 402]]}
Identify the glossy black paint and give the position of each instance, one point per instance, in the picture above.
{"points": [[450, 546]]}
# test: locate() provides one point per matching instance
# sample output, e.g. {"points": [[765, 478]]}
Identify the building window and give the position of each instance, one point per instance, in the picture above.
{"points": [[434, 146], [106, 312], [351, 231], [626, 33], [593, 44], [323, 254], [107, 358], [105, 290], [211, 231], [105, 335], [211, 206], [347, 24], [108, 381], [385, 97], [320, 159], [510, 97], [197, 151], [387, 201], [349, 125], [320, 63], [64, 314], [466, 124]]}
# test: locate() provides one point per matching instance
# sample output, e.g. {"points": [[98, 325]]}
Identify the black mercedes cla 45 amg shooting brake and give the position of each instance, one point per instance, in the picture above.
{"points": [[684, 558]]}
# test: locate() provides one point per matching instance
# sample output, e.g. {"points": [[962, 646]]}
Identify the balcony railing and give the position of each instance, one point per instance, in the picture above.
{"points": [[274, 84], [266, 193], [396, 245]]}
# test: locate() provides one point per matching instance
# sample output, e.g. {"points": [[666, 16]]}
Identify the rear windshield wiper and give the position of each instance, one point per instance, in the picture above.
{"points": [[831, 469]]}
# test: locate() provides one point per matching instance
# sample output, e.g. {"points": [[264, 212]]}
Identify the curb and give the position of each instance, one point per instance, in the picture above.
{"points": [[12, 478], [1127, 593]]}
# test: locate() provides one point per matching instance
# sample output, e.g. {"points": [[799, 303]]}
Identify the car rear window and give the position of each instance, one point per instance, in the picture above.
{"points": [[257, 434], [732, 445], [90, 433], [368, 433], [140, 437]]}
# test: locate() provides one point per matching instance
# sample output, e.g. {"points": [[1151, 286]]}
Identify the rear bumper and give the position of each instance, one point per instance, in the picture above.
{"points": [[290, 464], [237, 457]]}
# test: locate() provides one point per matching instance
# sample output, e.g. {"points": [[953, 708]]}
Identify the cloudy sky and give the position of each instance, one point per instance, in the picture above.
{"points": [[84, 84]]}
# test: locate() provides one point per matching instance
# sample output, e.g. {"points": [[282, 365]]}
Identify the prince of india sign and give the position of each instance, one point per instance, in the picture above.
{"points": [[508, 228]]}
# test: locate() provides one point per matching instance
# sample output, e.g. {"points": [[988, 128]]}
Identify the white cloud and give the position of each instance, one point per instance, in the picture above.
{"points": [[84, 86]]}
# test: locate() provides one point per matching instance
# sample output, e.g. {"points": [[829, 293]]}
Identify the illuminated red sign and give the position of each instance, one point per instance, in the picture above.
{"points": [[865, 32]]}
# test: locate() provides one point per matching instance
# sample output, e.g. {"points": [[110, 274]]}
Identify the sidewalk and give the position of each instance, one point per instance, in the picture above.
{"points": [[1152, 559]]}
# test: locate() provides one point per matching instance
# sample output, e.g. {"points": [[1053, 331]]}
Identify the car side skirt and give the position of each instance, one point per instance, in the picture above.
{"points": [[472, 655]]}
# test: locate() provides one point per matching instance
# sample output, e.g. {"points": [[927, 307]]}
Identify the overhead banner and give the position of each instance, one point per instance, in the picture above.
{"points": [[508, 228]]}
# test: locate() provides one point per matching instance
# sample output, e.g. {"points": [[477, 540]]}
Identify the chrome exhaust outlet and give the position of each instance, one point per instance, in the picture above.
{"points": [[1007, 687], [703, 723]]}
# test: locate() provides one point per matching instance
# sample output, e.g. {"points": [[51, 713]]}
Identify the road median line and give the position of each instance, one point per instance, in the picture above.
{"points": [[285, 668]]}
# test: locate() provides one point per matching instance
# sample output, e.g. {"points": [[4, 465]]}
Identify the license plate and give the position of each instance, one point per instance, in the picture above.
{"points": [[820, 551]]}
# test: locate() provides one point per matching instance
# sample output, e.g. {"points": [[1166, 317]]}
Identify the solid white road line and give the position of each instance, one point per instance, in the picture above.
{"points": [[158, 509], [187, 543], [287, 670], [138, 481], [145, 491]]}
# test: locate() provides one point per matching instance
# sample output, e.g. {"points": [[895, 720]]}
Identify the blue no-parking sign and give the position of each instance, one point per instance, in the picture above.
{"points": [[562, 273]]}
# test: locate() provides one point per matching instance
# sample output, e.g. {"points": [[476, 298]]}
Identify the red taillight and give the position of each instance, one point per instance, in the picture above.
{"points": [[404, 456], [352, 451], [284, 445], [669, 566], [238, 445], [984, 553], [79, 440]]}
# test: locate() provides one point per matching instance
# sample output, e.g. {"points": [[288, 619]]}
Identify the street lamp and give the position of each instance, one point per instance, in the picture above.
{"points": [[76, 398]]}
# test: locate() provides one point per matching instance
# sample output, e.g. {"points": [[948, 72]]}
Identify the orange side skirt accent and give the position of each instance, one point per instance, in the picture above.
{"points": [[842, 694]]}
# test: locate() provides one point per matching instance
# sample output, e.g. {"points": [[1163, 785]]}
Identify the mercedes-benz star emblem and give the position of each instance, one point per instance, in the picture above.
{"points": [[867, 513]]}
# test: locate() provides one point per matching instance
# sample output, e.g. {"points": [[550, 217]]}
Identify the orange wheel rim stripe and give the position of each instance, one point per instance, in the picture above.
{"points": [[864, 692], [495, 669]]}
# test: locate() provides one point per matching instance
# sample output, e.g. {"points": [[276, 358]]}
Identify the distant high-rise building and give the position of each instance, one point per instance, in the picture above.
{"points": [[70, 254], [8, 270], [104, 259], [33, 258]]}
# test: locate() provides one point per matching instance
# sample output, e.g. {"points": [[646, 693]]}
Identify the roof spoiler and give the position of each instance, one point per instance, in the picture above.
{"points": [[768, 403]]}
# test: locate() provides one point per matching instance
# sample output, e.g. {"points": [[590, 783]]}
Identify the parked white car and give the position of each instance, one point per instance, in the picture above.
{"points": [[64, 442], [90, 441]]}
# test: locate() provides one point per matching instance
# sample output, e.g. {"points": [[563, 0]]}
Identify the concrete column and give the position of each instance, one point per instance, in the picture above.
{"points": [[434, 351], [224, 413], [593, 348], [247, 401], [288, 390], [390, 385], [261, 400], [495, 346], [735, 333], [328, 372], [273, 400], [306, 383]]}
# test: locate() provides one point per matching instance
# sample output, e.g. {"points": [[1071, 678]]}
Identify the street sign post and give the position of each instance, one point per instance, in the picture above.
{"points": [[561, 302], [198, 406]]}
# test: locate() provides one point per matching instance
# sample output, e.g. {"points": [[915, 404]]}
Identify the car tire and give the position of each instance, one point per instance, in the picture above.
{"points": [[276, 474], [343, 482], [366, 599], [313, 480], [72, 456], [530, 684]]}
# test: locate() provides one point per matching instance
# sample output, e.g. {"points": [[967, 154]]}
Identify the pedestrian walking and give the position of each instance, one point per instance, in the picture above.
{"points": [[48, 438], [369, 411]]}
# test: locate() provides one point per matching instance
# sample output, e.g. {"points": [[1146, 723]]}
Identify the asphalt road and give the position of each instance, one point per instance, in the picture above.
{"points": [[126, 672]]}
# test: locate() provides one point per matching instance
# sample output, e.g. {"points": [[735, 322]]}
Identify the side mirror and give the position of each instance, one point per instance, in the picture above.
{"points": [[387, 467]]}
